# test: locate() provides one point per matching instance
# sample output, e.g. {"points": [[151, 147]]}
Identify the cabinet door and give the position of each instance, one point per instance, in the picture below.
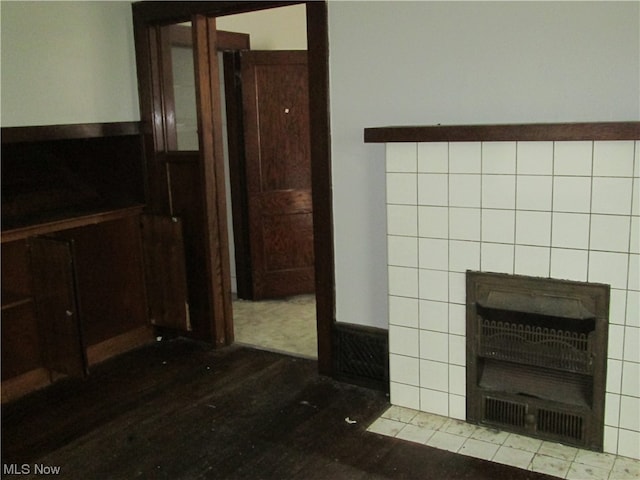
{"points": [[59, 320], [165, 272]]}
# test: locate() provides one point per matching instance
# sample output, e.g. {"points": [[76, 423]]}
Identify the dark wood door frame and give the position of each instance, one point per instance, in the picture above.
{"points": [[146, 16]]}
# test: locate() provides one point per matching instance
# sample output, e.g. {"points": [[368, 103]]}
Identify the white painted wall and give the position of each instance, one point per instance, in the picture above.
{"points": [[422, 63], [67, 62], [283, 28]]}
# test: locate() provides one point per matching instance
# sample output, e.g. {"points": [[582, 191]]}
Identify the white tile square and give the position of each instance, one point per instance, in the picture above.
{"points": [[403, 311], [433, 401], [434, 316], [457, 350], [514, 457], [630, 382], [403, 281], [550, 466], [570, 230], [434, 346], [462, 429], [616, 342], [534, 192], [491, 435], [457, 380], [433, 285], [628, 443], [521, 442], [572, 194], [634, 243], [429, 421], [433, 222], [464, 256], [499, 191], [569, 264], [401, 189], [465, 157], [403, 341], [498, 226], [402, 251], [610, 233], [610, 443], [464, 223], [386, 426], [556, 450], [612, 195], [457, 407], [404, 395], [595, 459], [535, 158], [433, 189], [434, 375], [499, 157], [633, 309], [607, 267], [464, 190], [611, 409], [632, 344], [433, 157], [478, 449], [533, 261], [457, 319], [614, 376], [457, 288], [402, 220], [617, 306], [630, 412], [434, 253], [635, 201], [625, 468], [400, 414], [415, 434], [573, 158], [613, 158], [533, 228], [404, 369], [578, 471], [497, 257], [636, 162], [634, 272], [401, 157]]}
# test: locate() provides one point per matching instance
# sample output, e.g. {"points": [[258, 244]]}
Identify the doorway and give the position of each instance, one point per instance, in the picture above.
{"points": [[265, 119], [210, 259]]}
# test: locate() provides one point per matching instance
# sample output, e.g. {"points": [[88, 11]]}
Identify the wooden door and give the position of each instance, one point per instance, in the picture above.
{"points": [[59, 319], [165, 272], [278, 167]]}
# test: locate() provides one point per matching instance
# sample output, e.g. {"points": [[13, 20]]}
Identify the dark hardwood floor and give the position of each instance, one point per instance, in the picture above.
{"points": [[180, 410]]}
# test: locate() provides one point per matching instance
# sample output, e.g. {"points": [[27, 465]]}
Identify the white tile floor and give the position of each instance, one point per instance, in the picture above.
{"points": [[502, 447]]}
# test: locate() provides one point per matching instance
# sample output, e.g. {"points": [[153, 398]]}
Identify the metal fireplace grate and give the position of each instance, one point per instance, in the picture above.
{"points": [[536, 356]]}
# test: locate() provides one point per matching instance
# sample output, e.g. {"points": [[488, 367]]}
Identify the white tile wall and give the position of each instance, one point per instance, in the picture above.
{"points": [[565, 210]]}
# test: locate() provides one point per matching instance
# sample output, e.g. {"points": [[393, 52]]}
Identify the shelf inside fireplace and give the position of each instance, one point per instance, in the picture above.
{"points": [[536, 382]]}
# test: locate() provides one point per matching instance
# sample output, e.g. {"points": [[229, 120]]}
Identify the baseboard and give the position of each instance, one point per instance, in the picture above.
{"points": [[361, 355]]}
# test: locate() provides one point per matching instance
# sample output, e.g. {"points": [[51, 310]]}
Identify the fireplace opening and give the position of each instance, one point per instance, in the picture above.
{"points": [[536, 356]]}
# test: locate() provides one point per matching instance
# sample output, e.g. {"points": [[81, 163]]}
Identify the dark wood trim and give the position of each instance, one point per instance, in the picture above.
{"points": [[166, 12], [320, 128], [148, 14], [43, 133], [502, 133], [233, 41]]}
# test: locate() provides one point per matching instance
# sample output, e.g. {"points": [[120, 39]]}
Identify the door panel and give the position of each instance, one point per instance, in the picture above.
{"points": [[277, 146], [54, 287], [165, 272]]}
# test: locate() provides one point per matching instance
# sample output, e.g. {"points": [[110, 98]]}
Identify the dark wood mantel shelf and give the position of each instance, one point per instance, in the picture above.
{"points": [[503, 133]]}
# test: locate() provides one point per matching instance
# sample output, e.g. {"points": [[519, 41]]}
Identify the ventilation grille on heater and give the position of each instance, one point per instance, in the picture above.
{"points": [[504, 412], [561, 424]]}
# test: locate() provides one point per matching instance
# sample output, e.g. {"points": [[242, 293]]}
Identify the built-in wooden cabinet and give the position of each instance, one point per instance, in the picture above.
{"points": [[78, 283]]}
